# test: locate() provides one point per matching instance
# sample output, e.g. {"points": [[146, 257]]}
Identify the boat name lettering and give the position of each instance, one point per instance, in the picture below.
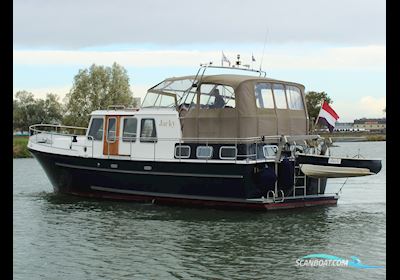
{"points": [[167, 123], [334, 161]]}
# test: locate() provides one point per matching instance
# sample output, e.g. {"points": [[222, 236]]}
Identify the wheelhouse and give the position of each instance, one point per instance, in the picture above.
{"points": [[232, 106]]}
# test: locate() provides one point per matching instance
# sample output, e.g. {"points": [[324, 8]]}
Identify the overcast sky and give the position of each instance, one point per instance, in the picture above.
{"points": [[335, 46], [87, 23]]}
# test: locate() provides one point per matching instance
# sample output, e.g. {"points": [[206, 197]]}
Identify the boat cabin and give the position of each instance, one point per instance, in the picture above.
{"points": [[200, 110], [136, 133], [201, 117], [232, 106]]}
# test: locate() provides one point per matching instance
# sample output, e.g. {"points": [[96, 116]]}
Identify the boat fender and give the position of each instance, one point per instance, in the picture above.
{"points": [[286, 174], [323, 148], [265, 177]]}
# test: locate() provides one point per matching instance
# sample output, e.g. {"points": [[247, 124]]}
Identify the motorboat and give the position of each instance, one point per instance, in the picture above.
{"points": [[221, 140]]}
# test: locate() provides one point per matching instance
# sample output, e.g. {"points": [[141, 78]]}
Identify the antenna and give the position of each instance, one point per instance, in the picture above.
{"points": [[265, 42]]}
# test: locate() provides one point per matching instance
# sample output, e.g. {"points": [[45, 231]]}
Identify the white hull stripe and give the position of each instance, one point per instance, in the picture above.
{"points": [[328, 117], [151, 172], [167, 195]]}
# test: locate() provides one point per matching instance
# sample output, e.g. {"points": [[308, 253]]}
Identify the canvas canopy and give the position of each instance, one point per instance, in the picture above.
{"points": [[254, 106]]}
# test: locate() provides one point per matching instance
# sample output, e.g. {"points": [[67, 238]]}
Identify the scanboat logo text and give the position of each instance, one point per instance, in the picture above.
{"points": [[315, 260]]}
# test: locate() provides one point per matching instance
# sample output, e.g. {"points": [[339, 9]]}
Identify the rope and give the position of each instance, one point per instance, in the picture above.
{"points": [[342, 186]]}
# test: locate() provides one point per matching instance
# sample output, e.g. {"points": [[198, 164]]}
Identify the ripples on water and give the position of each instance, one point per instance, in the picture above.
{"points": [[63, 237]]}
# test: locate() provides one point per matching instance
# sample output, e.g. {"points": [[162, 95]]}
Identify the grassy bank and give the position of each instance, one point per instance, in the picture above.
{"points": [[20, 149], [378, 137], [362, 136]]}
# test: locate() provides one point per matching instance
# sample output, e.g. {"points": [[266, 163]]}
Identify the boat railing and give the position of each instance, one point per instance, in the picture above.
{"points": [[52, 130], [56, 129], [253, 154]]}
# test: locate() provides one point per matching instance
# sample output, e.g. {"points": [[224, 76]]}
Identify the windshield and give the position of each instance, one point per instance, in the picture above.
{"points": [[170, 93]]}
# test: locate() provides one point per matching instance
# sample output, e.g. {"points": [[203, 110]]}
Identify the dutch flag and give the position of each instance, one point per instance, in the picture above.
{"points": [[327, 116]]}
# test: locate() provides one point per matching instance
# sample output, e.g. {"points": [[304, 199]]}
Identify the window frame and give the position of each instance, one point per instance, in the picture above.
{"points": [[268, 156], [287, 91], [108, 130], [143, 139], [204, 157], [261, 95], [102, 130], [284, 94], [180, 156], [227, 147], [131, 140], [209, 96]]}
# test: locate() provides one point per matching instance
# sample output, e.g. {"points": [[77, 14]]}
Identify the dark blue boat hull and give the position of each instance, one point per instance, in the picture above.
{"points": [[210, 184]]}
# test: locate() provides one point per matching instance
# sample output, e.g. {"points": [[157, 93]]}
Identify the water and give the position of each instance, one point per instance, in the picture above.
{"points": [[63, 237]]}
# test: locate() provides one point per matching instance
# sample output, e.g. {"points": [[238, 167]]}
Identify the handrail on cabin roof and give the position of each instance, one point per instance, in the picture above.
{"points": [[233, 67]]}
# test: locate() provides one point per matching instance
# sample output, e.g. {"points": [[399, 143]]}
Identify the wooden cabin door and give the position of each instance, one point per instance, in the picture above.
{"points": [[111, 140]]}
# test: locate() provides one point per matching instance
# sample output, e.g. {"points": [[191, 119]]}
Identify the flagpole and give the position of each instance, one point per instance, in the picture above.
{"points": [[316, 121]]}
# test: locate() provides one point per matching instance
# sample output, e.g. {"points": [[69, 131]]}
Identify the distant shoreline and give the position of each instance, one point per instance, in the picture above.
{"points": [[354, 136], [20, 149]]}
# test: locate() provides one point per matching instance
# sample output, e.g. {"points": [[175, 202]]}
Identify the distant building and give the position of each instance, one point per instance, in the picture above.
{"points": [[343, 127], [373, 125], [21, 133]]}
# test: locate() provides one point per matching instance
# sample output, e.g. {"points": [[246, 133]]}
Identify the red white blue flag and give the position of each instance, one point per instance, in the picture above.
{"points": [[327, 116]]}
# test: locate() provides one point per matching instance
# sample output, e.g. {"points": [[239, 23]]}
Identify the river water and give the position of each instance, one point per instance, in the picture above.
{"points": [[62, 237]]}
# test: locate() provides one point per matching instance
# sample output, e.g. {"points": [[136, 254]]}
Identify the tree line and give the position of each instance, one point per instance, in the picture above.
{"points": [[95, 88]]}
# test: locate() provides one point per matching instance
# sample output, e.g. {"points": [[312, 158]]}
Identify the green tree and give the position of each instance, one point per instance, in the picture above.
{"points": [[96, 88], [24, 110], [52, 109], [27, 110], [313, 101]]}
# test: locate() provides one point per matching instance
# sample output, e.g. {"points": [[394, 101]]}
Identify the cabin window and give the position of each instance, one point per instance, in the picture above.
{"points": [[148, 130], [129, 130], [96, 129], [216, 96], [111, 130], [204, 152], [280, 98], [189, 100], [227, 152], [182, 151], [264, 98], [270, 151], [294, 98]]}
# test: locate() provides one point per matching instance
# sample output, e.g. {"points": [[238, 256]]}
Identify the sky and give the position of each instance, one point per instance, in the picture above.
{"points": [[338, 47]]}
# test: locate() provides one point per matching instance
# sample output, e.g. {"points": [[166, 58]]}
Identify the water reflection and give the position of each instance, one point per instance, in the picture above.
{"points": [[195, 242], [190, 243]]}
